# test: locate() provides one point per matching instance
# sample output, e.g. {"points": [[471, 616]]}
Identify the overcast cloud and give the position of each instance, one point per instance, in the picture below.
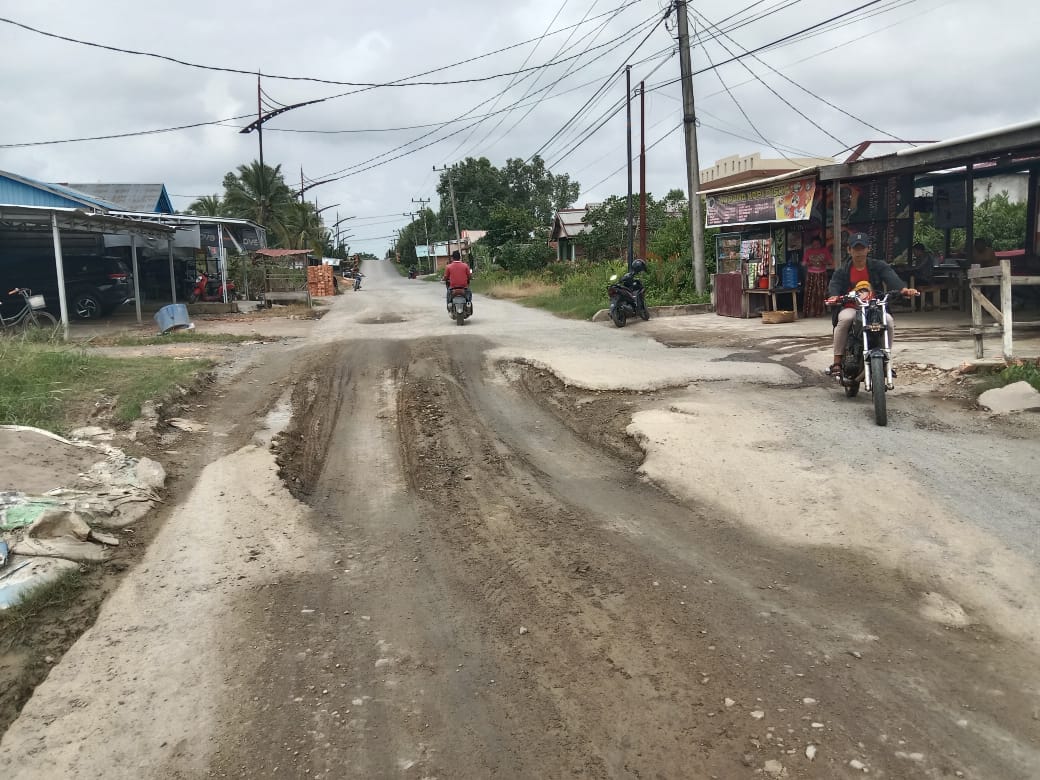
{"points": [[918, 69]]}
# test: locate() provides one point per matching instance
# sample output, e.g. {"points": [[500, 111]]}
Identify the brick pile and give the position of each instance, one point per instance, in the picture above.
{"points": [[319, 281]]}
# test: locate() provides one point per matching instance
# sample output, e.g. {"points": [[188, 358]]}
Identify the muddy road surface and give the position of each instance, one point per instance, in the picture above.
{"points": [[531, 548]]}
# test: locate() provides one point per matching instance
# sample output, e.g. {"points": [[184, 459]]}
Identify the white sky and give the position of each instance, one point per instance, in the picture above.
{"points": [[918, 69]]}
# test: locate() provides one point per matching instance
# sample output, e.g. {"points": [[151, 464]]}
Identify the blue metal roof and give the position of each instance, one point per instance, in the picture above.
{"points": [[16, 190]]}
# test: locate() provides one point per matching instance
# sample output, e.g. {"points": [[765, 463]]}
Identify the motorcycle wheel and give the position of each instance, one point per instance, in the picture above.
{"points": [[644, 312], [877, 384], [617, 316], [460, 319]]}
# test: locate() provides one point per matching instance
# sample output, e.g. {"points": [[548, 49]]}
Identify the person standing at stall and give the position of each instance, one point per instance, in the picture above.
{"points": [[816, 259]]}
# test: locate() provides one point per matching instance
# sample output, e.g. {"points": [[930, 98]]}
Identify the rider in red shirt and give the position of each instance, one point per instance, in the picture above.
{"points": [[457, 274]]}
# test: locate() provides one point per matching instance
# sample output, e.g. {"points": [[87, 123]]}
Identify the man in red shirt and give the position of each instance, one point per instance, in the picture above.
{"points": [[457, 274], [860, 268]]}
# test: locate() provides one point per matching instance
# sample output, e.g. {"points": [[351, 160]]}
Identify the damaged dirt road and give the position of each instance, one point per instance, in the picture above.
{"points": [[537, 548]]}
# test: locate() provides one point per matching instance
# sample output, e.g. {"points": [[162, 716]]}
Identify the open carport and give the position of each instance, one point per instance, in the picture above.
{"points": [[56, 220]]}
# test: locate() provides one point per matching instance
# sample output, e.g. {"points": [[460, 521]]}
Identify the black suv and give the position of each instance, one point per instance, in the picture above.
{"points": [[94, 286]]}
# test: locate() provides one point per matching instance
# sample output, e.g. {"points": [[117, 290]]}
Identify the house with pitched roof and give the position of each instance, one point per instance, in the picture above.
{"points": [[568, 225]]}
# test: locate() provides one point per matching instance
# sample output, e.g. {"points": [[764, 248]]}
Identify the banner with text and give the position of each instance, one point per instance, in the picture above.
{"points": [[788, 201]]}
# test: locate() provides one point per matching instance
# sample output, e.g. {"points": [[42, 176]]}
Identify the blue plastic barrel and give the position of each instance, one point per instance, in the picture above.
{"points": [[172, 317], [789, 276]]}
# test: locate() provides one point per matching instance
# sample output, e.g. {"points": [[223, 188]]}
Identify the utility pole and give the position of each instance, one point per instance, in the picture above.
{"points": [[260, 137], [693, 173], [628, 128], [454, 212], [422, 207], [642, 170]]}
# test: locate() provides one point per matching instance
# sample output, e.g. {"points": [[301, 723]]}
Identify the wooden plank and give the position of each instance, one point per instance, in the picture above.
{"points": [[986, 304], [1005, 305]]}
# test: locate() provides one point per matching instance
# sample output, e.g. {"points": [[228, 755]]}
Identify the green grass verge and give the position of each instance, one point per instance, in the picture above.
{"points": [[59, 593], [173, 337], [55, 387], [1022, 372]]}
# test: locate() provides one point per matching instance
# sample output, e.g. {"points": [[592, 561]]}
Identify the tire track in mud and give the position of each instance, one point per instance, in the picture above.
{"points": [[537, 611]]}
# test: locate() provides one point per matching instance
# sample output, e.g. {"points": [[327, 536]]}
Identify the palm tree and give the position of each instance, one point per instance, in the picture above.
{"points": [[259, 194], [207, 206]]}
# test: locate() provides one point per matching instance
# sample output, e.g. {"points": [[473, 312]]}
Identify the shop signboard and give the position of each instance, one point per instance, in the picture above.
{"points": [[787, 201]]}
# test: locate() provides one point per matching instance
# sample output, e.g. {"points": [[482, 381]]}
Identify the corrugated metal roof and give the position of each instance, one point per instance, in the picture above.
{"points": [[16, 190], [131, 197], [569, 223]]}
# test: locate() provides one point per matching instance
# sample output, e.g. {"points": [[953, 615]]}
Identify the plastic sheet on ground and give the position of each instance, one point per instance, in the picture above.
{"points": [[21, 575]]}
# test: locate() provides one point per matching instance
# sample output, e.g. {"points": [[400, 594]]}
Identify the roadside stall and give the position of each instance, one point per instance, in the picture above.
{"points": [[765, 228], [945, 182]]}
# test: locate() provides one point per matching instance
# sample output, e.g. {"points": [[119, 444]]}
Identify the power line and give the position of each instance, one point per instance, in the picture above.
{"points": [[122, 135], [605, 84], [736, 102], [402, 82]]}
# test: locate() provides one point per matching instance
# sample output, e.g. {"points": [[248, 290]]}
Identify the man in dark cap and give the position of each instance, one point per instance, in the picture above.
{"points": [[860, 268]]}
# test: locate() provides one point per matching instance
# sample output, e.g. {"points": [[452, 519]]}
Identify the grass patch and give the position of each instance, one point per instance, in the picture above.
{"points": [[173, 337], [1019, 372], [53, 387], [56, 594]]}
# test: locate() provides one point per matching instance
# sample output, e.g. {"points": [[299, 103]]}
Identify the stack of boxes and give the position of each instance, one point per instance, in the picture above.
{"points": [[319, 281]]}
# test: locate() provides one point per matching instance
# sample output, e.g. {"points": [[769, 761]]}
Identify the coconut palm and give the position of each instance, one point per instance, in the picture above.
{"points": [[207, 206], [260, 194]]}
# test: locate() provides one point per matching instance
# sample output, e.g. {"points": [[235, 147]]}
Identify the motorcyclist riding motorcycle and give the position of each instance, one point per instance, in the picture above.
{"points": [[456, 276], [627, 296], [859, 269]]}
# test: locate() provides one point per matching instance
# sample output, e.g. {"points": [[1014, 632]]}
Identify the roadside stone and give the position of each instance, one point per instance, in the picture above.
{"points": [[810, 752], [523, 630], [728, 702], [774, 768], [757, 714], [858, 765], [1016, 397]]}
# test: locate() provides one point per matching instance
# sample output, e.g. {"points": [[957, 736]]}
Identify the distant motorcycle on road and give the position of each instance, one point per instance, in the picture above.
{"points": [[627, 295]]}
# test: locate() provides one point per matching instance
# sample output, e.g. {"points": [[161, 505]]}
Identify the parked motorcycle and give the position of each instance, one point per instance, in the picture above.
{"points": [[210, 290], [627, 296], [460, 308], [867, 358], [412, 273]]}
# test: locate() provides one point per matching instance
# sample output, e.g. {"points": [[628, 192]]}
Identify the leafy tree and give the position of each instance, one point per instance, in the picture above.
{"points": [[1001, 221], [517, 257], [207, 206], [480, 188]]}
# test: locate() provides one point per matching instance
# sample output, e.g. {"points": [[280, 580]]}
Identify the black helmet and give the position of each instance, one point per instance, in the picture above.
{"points": [[638, 266]]}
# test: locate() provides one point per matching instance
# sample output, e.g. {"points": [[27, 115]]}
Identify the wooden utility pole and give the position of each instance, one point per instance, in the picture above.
{"points": [[628, 133], [454, 212], [426, 232], [642, 170], [693, 173]]}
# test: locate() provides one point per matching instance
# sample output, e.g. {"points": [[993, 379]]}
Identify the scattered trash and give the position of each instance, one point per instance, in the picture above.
{"points": [[188, 426]]}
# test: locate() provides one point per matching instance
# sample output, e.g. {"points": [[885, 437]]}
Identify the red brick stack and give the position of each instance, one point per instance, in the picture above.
{"points": [[319, 281]]}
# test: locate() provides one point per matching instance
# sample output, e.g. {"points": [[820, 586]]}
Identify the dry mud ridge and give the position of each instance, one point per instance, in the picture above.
{"points": [[510, 599], [475, 580]]}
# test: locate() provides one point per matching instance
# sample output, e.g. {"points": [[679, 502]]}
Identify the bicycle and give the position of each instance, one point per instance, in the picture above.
{"points": [[32, 318]]}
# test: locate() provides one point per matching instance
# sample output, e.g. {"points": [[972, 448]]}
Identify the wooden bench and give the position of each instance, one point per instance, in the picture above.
{"points": [[771, 294], [284, 296]]}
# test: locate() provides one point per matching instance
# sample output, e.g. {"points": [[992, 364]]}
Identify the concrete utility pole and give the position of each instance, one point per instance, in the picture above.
{"points": [[693, 173], [426, 232], [454, 213], [628, 136]]}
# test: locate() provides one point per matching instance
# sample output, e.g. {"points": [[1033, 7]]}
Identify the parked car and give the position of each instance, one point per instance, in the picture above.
{"points": [[94, 286]]}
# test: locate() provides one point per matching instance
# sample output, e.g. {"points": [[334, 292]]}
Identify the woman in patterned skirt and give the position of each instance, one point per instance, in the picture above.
{"points": [[816, 259]]}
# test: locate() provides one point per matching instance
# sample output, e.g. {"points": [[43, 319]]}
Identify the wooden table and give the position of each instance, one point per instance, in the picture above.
{"points": [[771, 293]]}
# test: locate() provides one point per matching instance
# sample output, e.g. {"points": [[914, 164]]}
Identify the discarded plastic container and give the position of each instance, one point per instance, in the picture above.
{"points": [[172, 317]]}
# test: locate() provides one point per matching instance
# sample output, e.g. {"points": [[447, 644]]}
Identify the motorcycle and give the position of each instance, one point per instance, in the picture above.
{"points": [[357, 280], [627, 296], [210, 290], [460, 308], [412, 273], [867, 357]]}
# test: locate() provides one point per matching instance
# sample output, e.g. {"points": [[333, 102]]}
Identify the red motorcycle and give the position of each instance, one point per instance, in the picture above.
{"points": [[210, 290]]}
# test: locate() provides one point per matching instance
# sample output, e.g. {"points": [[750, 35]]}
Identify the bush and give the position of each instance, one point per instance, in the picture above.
{"points": [[520, 258]]}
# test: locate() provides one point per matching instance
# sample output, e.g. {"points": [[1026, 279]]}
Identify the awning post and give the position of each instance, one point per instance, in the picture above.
{"points": [[137, 281], [60, 268], [173, 277]]}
